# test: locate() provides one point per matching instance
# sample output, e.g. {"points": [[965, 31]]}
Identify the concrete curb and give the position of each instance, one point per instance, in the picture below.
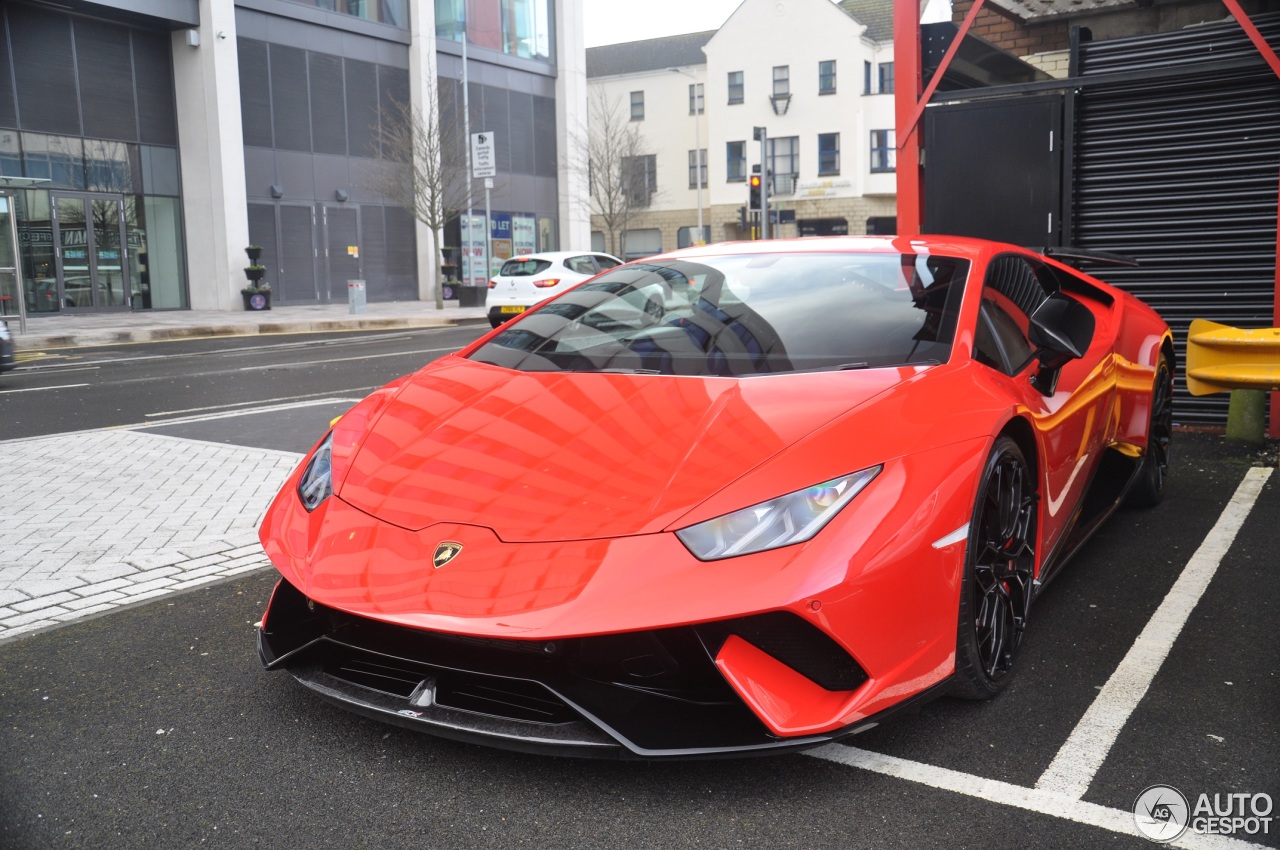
{"points": [[97, 337]]}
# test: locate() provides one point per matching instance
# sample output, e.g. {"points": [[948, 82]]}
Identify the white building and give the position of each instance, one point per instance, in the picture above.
{"points": [[816, 75]]}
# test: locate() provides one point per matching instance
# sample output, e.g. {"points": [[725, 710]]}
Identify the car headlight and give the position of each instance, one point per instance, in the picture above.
{"points": [[316, 483], [793, 518]]}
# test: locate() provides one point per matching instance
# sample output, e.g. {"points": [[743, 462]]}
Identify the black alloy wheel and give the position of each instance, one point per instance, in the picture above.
{"points": [[1000, 563], [1148, 488]]}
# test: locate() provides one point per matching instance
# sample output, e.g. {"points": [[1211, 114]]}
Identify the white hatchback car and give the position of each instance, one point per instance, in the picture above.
{"points": [[533, 278]]}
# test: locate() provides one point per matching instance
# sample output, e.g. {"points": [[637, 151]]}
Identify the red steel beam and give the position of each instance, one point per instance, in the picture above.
{"points": [[1242, 18], [907, 85], [909, 104]]}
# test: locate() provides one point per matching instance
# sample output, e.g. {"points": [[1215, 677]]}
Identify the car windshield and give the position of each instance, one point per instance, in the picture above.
{"points": [[745, 315], [523, 267]]}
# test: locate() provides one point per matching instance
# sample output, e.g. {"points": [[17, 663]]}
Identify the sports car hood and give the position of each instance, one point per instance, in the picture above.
{"points": [[573, 456]]}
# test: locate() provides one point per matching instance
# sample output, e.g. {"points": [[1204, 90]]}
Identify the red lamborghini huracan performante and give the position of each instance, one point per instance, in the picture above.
{"points": [[741, 498]]}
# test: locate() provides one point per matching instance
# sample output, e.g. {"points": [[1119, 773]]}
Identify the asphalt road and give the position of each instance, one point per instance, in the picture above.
{"points": [[155, 726], [72, 389]]}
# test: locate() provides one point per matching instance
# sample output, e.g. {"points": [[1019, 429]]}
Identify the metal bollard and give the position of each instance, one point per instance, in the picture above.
{"points": [[355, 295]]}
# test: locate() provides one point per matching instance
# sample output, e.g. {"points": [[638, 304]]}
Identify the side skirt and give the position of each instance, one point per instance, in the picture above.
{"points": [[1105, 493]]}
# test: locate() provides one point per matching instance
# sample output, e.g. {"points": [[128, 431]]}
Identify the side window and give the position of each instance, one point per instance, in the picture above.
{"points": [[605, 262], [1010, 293], [581, 265]]}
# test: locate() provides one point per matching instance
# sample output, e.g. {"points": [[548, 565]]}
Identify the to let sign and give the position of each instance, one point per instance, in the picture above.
{"points": [[483, 163]]}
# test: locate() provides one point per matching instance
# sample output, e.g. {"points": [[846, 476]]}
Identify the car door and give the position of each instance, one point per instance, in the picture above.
{"points": [[1073, 422]]}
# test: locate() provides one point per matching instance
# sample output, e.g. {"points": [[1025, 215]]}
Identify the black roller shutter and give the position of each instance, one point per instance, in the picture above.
{"points": [[8, 107], [328, 104], [153, 76], [44, 65], [544, 134], [522, 139], [297, 254], [1181, 173], [402, 256], [495, 121], [290, 102], [373, 253], [362, 107], [105, 61], [255, 93]]}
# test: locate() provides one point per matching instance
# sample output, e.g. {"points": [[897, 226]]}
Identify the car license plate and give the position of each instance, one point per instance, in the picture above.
{"points": [[512, 308]]}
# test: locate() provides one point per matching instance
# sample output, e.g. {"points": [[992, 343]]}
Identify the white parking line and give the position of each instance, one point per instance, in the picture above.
{"points": [[1058, 792], [299, 364], [257, 406], [1032, 799], [38, 389], [1076, 763]]}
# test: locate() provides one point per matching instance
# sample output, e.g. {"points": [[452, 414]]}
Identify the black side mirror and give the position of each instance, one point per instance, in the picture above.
{"points": [[1061, 329]]}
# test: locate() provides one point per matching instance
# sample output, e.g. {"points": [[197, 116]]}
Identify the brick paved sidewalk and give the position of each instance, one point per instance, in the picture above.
{"points": [[96, 520]]}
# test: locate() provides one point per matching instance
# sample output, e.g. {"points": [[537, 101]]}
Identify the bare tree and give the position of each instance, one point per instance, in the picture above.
{"points": [[426, 169], [621, 173]]}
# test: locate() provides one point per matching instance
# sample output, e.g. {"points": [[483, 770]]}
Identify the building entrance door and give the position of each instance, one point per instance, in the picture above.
{"points": [[12, 298], [341, 250], [92, 265]]}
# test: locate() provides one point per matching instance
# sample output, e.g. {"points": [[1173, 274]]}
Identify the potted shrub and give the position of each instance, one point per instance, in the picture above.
{"points": [[257, 297], [257, 293]]}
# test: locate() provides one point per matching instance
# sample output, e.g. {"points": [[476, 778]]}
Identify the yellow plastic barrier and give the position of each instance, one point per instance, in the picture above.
{"points": [[1221, 358]]}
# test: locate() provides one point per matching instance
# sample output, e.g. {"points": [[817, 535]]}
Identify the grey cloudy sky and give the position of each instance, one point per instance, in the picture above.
{"points": [[614, 21]]}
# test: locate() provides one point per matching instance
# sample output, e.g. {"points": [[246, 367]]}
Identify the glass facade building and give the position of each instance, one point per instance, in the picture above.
{"points": [[102, 142], [87, 115]]}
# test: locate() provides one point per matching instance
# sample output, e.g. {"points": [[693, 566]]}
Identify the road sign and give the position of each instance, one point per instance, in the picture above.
{"points": [[483, 159]]}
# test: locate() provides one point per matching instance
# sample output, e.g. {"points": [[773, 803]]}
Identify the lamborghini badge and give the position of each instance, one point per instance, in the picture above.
{"points": [[445, 552]]}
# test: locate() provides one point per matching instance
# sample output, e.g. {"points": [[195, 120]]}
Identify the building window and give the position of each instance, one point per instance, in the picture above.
{"points": [[781, 80], [697, 168], [784, 163], [637, 106], [689, 236], [643, 242], [883, 155], [735, 87], [866, 78], [641, 176], [520, 29], [828, 154], [696, 104], [886, 78], [735, 160], [827, 77]]}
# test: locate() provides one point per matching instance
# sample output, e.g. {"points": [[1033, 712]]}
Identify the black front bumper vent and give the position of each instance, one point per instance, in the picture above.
{"points": [[636, 694]]}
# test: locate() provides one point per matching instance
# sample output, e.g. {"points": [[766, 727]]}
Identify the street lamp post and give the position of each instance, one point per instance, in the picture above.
{"points": [[697, 141]]}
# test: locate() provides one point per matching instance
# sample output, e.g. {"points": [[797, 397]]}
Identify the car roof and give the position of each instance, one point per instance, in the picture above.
{"points": [[557, 255]]}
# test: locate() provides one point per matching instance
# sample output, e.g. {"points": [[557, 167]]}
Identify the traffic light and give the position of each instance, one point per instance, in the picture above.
{"points": [[743, 223], [753, 185]]}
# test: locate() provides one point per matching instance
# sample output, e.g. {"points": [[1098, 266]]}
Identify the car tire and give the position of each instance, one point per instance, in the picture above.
{"points": [[1148, 488], [495, 321], [999, 573]]}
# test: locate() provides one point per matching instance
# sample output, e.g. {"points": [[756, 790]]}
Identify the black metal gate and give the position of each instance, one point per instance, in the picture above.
{"points": [[1013, 196]]}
